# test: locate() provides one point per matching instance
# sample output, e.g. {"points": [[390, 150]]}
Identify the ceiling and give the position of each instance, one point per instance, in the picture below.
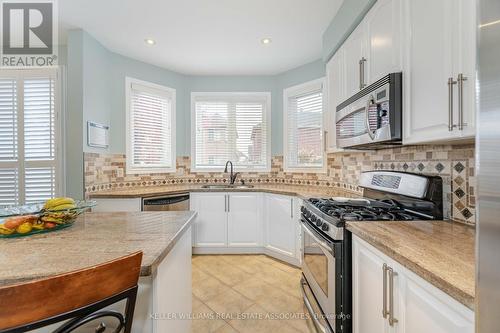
{"points": [[207, 37]]}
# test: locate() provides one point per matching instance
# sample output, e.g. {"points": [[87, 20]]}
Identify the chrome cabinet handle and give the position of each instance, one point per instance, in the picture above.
{"points": [[367, 123], [228, 204], [460, 79], [362, 73], [225, 203], [291, 208], [451, 82], [392, 320], [384, 290]]}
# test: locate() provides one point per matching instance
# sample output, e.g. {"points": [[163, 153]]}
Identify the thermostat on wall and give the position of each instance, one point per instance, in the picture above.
{"points": [[97, 135]]}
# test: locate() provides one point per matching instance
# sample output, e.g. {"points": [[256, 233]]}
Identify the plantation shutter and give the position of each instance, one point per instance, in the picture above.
{"points": [[151, 120], [231, 127], [28, 135], [304, 128]]}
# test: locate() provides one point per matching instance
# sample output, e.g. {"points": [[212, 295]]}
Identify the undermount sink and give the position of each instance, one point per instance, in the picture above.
{"points": [[226, 186]]}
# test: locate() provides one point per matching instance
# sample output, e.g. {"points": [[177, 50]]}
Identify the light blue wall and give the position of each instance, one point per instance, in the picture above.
{"points": [[350, 14], [74, 115]]}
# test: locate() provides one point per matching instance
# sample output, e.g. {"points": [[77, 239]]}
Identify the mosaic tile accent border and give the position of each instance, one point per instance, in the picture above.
{"points": [[455, 164]]}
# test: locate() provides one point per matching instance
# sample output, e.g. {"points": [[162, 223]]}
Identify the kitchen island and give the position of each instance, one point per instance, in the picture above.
{"points": [[163, 237]]}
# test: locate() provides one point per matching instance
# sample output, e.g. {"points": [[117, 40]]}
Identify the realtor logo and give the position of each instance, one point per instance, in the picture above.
{"points": [[28, 33]]}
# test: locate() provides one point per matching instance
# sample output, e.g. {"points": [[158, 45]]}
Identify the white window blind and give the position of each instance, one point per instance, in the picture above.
{"points": [[231, 126], [304, 147], [151, 119], [29, 132]]}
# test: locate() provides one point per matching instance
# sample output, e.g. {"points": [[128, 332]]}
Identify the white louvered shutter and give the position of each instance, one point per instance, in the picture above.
{"points": [[304, 128], [151, 137], [231, 127], [29, 169]]}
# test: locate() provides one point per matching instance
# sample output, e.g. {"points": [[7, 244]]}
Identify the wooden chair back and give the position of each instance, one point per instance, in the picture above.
{"points": [[36, 301]]}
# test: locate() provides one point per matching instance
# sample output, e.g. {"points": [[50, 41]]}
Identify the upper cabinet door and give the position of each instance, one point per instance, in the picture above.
{"points": [[336, 95], [354, 49], [428, 66], [383, 31], [464, 51], [439, 46]]}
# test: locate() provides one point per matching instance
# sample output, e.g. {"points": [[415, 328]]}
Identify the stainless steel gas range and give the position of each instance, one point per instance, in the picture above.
{"points": [[326, 256]]}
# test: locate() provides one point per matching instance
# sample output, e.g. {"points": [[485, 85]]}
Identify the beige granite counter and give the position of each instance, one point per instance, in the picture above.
{"points": [[302, 191], [440, 252], [94, 239]]}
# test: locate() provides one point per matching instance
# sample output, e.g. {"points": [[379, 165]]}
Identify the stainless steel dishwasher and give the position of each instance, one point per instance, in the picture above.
{"points": [[172, 202]]}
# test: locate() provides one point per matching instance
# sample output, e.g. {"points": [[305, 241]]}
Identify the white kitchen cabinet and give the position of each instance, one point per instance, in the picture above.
{"points": [[367, 292], [336, 92], [244, 223], [439, 45], [354, 49], [210, 226], [117, 205], [227, 222], [282, 232], [418, 305], [383, 33]]}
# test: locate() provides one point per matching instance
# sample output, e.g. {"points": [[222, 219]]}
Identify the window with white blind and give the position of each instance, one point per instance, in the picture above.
{"points": [[150, 127], [30, 169], [303, 127], [231, 127]]}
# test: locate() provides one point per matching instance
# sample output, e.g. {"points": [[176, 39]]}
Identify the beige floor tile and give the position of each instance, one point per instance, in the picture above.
{"points": [[257, 322], [226, 329], [229, 303], [226, 272], [279, 302], [208, 287], [247, 263], [253, 288], [204, 319]]}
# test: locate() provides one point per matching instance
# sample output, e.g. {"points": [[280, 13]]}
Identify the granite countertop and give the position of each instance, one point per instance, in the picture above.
{"points": [[441, 252], [94, 239], [294, 190]]}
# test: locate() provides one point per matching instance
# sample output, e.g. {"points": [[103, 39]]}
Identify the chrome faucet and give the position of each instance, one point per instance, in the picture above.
{"points": [[232, 176]]}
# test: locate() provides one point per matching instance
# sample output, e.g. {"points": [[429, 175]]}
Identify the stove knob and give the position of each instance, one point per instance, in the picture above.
{"points": [[313, 218], [302, 209], [319, 222], [325, 227]]}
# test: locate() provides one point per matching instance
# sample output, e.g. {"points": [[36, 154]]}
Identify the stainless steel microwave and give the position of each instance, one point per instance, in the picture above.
{"points": [[372, 118]]}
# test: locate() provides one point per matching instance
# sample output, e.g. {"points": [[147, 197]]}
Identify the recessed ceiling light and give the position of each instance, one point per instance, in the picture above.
{"points": [[150, 41], [265, 41]]}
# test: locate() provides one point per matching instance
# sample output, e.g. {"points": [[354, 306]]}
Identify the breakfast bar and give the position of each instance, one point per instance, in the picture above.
{"points": [[95, 238]]}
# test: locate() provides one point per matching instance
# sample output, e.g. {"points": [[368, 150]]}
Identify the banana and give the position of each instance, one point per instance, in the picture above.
{"points": [[63, 207], [51, 203], [52, 219]]}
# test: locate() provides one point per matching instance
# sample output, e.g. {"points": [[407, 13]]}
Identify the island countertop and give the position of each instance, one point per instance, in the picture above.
{"points": [[440, 252], [93, 239]]}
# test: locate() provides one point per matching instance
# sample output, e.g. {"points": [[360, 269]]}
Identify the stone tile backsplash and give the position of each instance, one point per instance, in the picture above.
{"points": [[454, 163]]}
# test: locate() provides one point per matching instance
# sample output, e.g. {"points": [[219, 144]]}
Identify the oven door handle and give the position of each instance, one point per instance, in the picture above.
{"points": [[367, 109], [320, 242], [317, 324]]}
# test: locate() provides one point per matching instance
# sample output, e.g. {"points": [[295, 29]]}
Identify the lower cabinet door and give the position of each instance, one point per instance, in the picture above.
{"points": [[427, 309], [280, 226], [367, 290], [210, 224], [244, 222]]}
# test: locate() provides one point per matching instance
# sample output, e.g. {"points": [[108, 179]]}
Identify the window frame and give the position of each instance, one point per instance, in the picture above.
{"points": [[130, 169], [297, 90], [267, 115], [21, 74]]}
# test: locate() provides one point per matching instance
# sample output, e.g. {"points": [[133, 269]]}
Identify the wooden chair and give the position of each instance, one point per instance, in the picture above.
{"points": [[77, 297]]}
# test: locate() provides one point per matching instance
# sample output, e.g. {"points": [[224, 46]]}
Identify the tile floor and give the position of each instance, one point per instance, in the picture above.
{"points": [[246, 293]]}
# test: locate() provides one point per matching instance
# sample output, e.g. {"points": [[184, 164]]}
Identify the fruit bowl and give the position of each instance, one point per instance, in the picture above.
{"points": [[55, 214]]}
